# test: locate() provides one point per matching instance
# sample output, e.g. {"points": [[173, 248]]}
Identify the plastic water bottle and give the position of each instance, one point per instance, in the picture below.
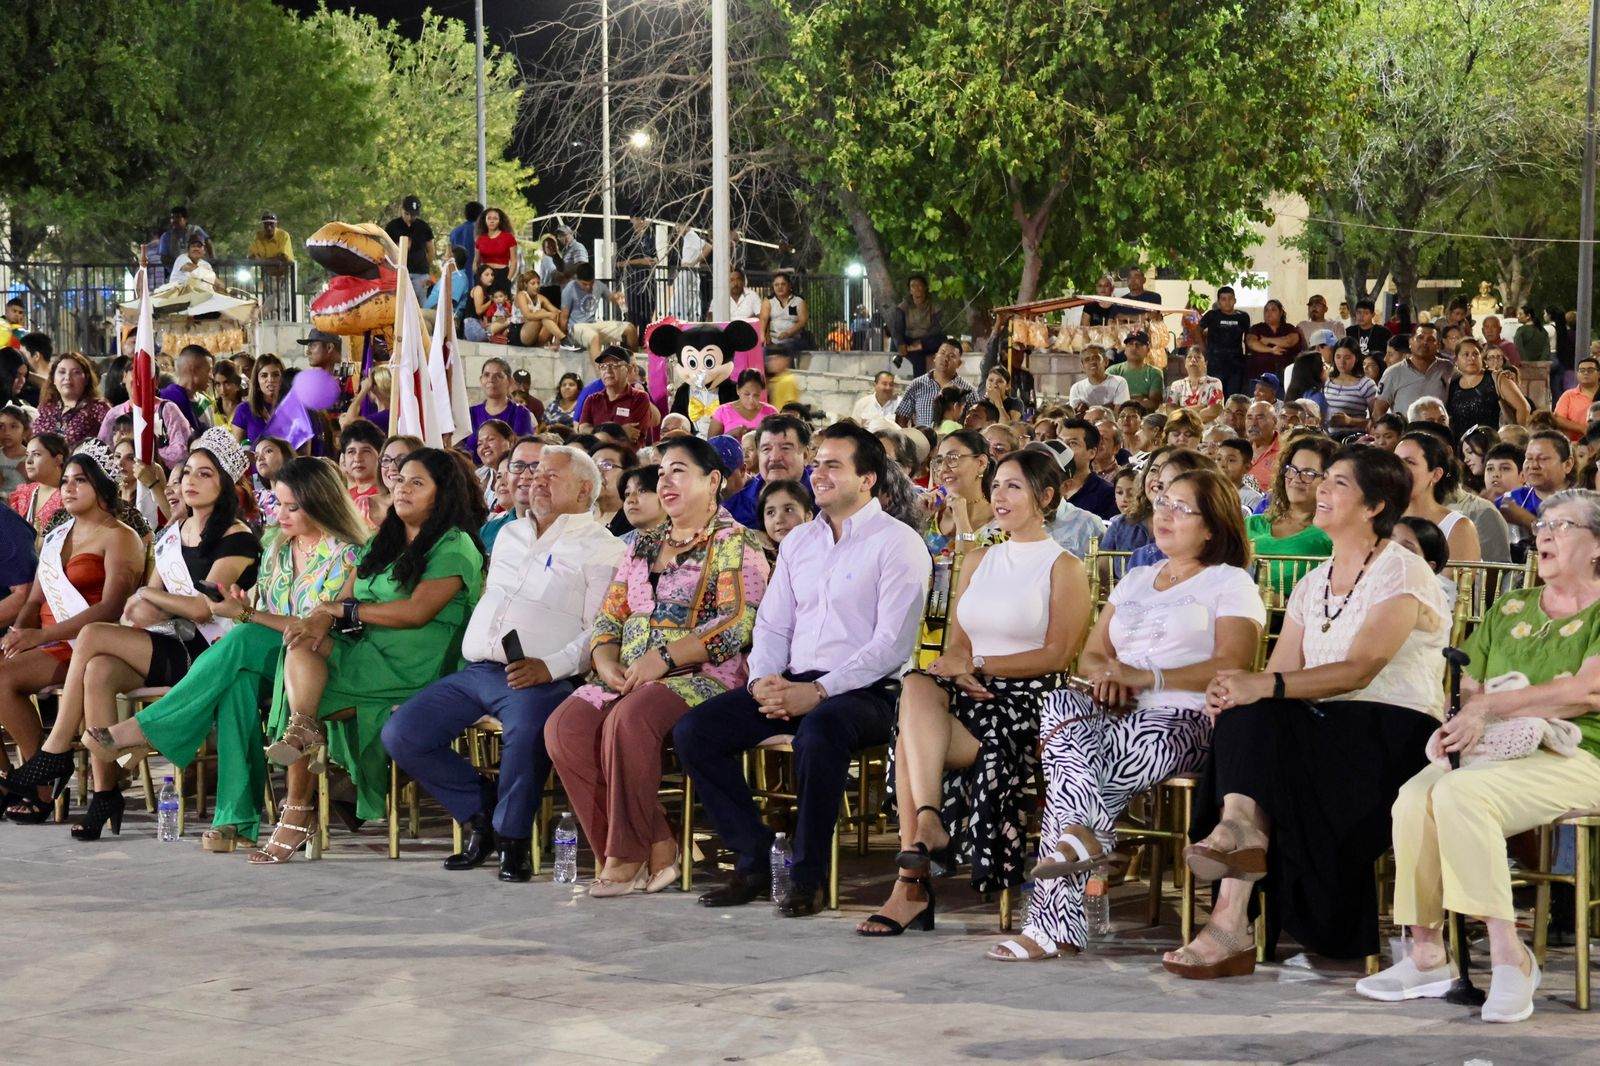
{"points": [[567, 849], [1097, 909], [782, 868], [167, 811]]}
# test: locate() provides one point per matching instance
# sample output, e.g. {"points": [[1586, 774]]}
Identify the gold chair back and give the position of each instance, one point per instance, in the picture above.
{"points": [[1274, 572], [1480, 583]]}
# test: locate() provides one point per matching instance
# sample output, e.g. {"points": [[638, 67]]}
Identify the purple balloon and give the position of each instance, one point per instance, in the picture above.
{"points": [[317, 390], [313, 390]]}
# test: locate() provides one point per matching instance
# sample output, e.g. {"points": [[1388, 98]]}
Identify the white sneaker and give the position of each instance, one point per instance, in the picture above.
{"points": [[1511, 992], [1405, 980]]}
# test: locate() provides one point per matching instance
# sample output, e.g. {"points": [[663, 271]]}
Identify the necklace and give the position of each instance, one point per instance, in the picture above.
{"points": [[1327, 590], [1168, 578], [695, 538]]}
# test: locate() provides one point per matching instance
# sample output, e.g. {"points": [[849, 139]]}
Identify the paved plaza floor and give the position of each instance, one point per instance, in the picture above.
{"points": [[133, 951]]}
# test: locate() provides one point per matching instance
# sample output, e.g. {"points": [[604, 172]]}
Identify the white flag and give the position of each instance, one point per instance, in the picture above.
{"points": [[416, 408], [440, 354]]}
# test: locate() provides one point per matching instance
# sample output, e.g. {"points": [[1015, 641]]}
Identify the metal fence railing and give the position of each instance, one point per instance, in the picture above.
{"points": [[842, 316], [76, 303]]}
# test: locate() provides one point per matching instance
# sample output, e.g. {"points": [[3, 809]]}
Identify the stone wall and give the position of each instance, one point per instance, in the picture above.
{"points": [[831, 381]]}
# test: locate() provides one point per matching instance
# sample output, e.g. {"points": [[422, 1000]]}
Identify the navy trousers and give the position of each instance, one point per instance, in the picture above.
{"points": [[419, 733], [711, 737]]}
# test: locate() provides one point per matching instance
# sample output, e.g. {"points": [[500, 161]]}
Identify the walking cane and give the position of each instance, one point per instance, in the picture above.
{"points": [[1461, 991]]}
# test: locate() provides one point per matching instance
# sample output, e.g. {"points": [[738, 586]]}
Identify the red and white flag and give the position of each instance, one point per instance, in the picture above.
{"points": [[142, 394], [415, 403]]}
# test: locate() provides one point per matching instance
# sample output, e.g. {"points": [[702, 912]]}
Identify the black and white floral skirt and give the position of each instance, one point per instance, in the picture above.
{"points": [[986, 805]]}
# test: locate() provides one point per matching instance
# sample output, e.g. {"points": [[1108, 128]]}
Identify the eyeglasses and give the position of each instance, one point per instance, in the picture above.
{"points": [[605, 465], [1296, 473], [952, 458], [518, 466], [1556, 525], [1171, 506]]}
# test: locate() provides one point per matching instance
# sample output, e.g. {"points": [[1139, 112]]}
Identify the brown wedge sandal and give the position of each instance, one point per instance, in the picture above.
{"points": [[1239, 962], [1211, 863]]}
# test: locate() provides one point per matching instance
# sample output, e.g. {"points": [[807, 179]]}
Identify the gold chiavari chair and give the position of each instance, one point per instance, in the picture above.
{"points": [[1105, 568], [1276, 576], [1480, 583]]}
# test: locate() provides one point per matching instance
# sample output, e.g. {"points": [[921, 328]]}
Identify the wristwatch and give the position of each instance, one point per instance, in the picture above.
{"points": [[977, 664]]}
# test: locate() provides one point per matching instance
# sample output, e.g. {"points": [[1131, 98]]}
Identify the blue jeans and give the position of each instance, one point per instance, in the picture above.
{"points": [[419, 734]]}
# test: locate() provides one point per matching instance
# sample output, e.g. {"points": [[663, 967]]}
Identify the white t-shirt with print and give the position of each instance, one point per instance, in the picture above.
{"points": [[1177, 627]]}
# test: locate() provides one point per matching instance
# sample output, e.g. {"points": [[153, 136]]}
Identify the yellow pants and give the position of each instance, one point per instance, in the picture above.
{"points": [[1450, 829]]}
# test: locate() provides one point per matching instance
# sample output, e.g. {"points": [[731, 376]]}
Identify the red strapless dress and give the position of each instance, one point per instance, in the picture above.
{"points": [[87, 573]]}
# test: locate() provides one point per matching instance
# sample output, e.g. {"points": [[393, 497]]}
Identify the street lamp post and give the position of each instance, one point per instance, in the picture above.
{"points": [[483, 156], [608, 194], [721, 213], [1585, 324]]}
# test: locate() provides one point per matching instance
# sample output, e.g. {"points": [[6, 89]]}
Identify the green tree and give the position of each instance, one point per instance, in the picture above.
{"points": [[1026, 145], [236, 108], [1453, 102], [422, 105]]}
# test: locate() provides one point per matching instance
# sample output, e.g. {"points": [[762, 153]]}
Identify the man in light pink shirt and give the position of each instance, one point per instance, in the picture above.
{"points": [[832, 637]]}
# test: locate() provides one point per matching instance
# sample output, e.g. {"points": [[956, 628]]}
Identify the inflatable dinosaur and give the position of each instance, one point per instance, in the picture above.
{"points": [[361, 261]]}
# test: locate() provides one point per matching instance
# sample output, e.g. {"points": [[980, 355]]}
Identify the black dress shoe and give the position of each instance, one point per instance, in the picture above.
{"points": [[516, 859], [802, 900], [480, 845], [740, 889]]}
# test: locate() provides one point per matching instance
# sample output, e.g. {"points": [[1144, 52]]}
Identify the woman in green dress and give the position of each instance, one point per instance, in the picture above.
{"points": [[401, 616], [307, 560], [1287, 527]]}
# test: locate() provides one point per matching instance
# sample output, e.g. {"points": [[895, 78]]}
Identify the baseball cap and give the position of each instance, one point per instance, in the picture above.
{"points": [[1324, 336], [614, 351], [268, 216], [729, 450], [1268, 379], [1053, 448], [1138, 336], [320, 335], [411, 203]]}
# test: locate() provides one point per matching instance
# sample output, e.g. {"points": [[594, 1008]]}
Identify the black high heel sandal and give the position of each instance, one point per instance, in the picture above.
{"points": [[107, 806], [923, 922], [49, 768], [941, 861]]}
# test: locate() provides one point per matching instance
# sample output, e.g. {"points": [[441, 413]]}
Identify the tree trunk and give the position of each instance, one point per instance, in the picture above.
{"points": [[1405, 276], [870, 244]]}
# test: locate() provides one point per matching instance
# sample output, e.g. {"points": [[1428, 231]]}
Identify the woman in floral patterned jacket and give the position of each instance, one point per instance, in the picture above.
{"points": [[673, 632]]}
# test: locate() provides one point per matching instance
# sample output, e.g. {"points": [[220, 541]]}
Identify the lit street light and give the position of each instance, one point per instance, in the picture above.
{"points": [[640, 139]]}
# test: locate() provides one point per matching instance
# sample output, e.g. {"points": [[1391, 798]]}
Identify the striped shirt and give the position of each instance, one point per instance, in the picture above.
{"points": [[1355, 400]]}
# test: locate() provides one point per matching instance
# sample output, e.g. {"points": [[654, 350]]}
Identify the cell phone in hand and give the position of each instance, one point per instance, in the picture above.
{"points": [[210, 591], [512, 645]]}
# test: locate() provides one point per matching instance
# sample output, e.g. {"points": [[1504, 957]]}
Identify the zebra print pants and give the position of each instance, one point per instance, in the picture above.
{"points": [[1093, 767]]}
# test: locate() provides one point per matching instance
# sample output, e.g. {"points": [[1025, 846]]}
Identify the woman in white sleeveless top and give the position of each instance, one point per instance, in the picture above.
{"points": [[1165, 632], [964, 751], [1434, 477]]}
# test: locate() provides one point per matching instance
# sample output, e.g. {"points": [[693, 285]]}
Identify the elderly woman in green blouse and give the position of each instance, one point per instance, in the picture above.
{"points": [[400, 616], [308, 561], [1527, 736]]}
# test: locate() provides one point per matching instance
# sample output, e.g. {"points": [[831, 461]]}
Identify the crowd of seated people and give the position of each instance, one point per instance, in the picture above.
{"points": [[608, 585]]}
